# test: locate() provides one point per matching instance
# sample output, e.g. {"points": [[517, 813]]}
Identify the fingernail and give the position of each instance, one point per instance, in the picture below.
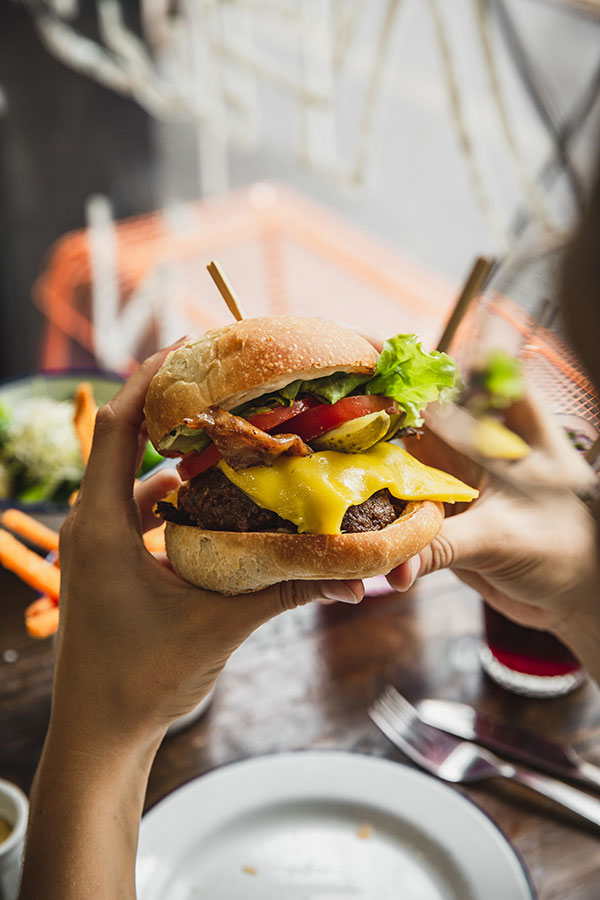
{"points": [[339, 591]]}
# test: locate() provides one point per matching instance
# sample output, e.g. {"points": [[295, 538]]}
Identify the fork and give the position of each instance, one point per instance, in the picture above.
{"points": [[459, 761]]}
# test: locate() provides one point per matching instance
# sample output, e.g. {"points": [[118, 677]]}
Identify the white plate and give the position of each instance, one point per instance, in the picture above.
{"points": [[323, 826]]}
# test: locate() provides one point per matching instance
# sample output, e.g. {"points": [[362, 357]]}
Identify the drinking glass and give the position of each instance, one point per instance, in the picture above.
{"points": [[525, 660]]}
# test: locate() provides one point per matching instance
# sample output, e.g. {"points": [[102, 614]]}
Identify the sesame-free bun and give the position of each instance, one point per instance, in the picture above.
{"points": [[242, 562], [229, 366]]}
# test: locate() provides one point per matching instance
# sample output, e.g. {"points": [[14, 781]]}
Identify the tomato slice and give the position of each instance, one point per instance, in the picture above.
{"points": [[194, 463], [308, 418], [322, 418]]}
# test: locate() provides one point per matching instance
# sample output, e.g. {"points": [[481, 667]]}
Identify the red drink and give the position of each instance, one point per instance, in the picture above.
{"points": [[526, 649], [526, 660]]}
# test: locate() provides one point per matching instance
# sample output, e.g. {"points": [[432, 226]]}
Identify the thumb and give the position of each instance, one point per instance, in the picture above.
{"points": [[263, 605], [458, 545]]}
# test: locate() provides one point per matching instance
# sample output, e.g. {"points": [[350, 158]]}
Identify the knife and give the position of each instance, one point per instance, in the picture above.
{"points": [[510, 740]]}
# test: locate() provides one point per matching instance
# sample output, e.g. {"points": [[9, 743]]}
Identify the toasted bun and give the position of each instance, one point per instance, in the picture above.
{"points": [[232, 365], [241, 562]]}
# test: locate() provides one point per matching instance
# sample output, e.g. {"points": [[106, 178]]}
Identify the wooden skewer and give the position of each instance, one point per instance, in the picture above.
{"points": [[473, 286], [225, 290]]}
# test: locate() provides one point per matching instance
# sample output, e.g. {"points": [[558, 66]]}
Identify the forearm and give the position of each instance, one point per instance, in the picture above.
{"points": [[85, 811]]}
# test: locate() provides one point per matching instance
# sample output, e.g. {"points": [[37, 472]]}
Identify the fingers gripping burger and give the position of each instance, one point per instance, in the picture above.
{"points": [[284, 426]]}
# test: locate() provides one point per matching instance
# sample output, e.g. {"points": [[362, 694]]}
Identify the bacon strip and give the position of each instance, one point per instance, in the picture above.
{"points": [[242, 444]]}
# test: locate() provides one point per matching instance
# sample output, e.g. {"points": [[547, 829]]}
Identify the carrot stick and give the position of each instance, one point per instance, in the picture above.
{"points": [[41, 605], [31, 568], [30, 528], [84, 418], [44, 624]]}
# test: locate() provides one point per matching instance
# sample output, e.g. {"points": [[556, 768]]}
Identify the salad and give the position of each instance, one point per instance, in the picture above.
{"points": [[41, 457]]}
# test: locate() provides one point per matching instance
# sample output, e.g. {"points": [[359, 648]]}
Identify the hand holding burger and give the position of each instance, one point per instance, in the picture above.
{"points": [[530, 555], [137, 648], [283, 425]]}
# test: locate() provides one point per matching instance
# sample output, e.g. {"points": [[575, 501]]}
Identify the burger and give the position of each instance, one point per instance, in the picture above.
{"points": [[284, 426]]}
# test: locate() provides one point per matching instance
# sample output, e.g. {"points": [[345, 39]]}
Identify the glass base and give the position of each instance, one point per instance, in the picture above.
{"points": [[529, 685]]}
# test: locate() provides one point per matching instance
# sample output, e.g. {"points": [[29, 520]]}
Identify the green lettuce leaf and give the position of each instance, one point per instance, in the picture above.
{"points": [[261, 405], [413, 377], [289, 393], [333, 387]]}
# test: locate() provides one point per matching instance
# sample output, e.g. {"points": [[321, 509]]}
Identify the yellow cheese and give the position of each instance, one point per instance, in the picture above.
{"points": [[170, 498], [315, 491]]}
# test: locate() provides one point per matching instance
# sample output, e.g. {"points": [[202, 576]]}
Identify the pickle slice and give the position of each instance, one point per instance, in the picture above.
{"points": [[356, 435], [396, 420]]}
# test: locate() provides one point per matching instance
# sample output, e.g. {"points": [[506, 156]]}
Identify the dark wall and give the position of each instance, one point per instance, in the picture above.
{"points": [[62, 138]]}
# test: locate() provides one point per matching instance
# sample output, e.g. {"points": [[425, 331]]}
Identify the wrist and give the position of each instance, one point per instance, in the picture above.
{"points": [[95, 716], [84, 732]]}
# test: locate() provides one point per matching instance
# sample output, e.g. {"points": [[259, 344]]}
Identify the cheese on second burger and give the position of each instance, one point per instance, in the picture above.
{"points": [[314, 492]]}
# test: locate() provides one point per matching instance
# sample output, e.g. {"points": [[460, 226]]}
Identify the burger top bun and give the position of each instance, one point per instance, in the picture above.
{"points": [[229, 366]]}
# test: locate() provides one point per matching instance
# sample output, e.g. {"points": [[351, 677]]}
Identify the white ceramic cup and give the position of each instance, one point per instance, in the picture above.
{"points": [[14, 809]]}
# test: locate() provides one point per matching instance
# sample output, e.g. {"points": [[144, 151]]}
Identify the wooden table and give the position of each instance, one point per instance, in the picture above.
{"points": [[305, 680]]}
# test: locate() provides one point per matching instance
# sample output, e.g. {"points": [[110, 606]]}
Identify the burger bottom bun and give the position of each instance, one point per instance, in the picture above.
{"points": [[233, 562]]}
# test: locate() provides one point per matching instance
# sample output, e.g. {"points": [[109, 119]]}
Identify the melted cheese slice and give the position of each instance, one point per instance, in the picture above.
{"points": [[315, 491]]}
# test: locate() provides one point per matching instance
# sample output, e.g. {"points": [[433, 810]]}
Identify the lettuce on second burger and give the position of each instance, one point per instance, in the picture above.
{"points": [[283, 425]]}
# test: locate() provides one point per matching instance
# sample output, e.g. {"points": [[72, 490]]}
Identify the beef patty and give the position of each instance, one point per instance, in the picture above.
{"points": [[212, 502]]}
